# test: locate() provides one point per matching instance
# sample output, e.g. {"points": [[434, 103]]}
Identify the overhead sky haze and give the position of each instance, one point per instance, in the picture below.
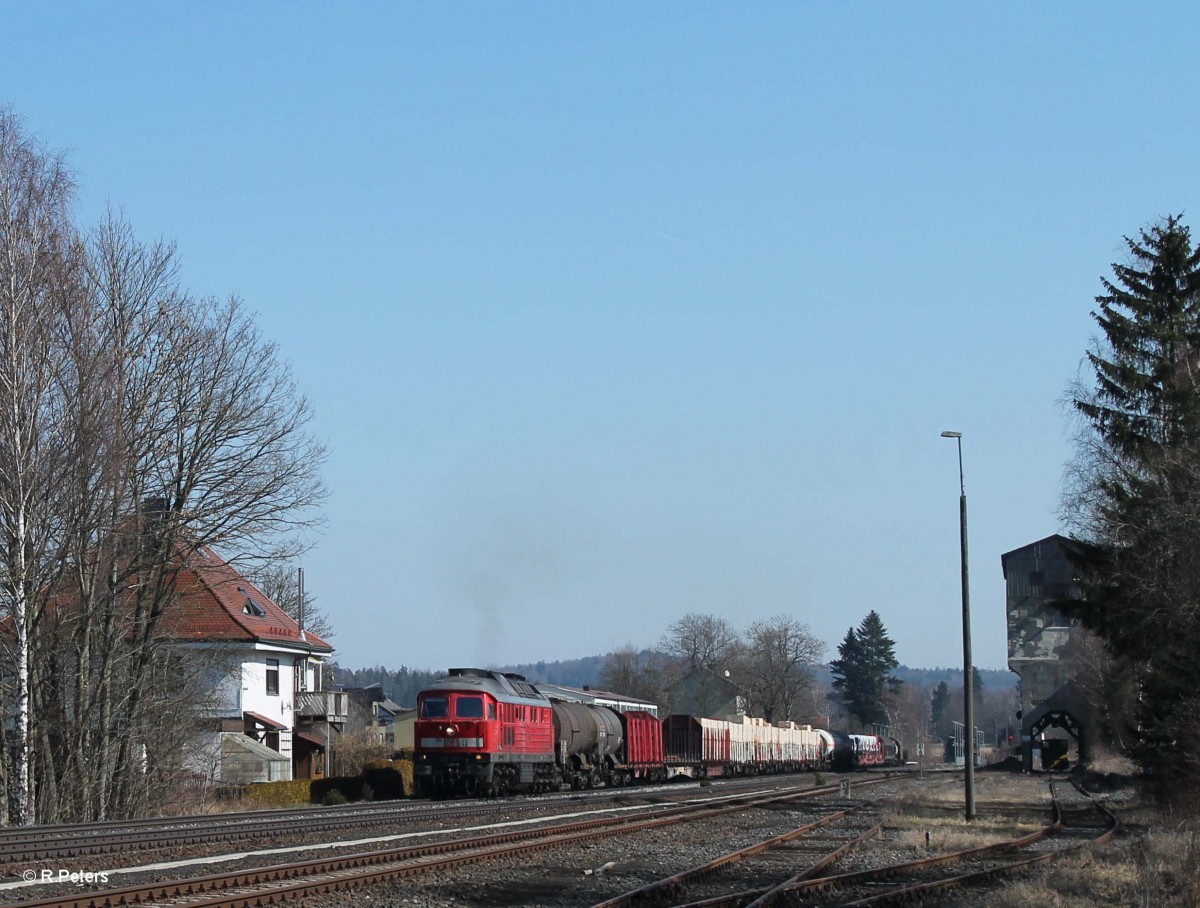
{"points": [[614, 313]]}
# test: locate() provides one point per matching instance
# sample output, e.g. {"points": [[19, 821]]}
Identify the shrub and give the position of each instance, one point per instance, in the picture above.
{"points": [[278, 794], [389, 779], [333, 798], [348, 787]]}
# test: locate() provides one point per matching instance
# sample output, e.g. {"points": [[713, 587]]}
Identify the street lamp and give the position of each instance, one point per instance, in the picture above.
{"points": [[968, 671]]}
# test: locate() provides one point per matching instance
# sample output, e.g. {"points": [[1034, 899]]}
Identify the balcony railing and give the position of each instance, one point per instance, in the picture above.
{"points": [[328, 705]]}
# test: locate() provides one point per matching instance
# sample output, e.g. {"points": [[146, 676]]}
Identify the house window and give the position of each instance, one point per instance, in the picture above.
{"points": [[272, 677], [250, 607]]}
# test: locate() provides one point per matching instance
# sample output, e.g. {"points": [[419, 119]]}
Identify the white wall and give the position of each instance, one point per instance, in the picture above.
{"points": [[280, 706]]}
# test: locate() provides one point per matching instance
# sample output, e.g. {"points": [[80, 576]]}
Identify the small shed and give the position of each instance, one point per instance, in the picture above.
{"points": [[244, 760]]}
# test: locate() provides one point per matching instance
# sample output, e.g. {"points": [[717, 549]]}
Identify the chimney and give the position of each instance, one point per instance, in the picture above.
{"points": [[300, 607], [153, 517]]}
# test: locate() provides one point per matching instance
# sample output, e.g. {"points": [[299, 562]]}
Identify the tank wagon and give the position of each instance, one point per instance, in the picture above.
{"points": [[481, 732]]}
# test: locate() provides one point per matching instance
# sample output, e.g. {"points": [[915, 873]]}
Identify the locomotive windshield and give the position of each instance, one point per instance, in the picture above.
{"points": [[435, 707], [469, 708]]}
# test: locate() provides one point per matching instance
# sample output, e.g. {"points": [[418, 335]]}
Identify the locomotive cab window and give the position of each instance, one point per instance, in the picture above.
{"points": [[491, 710], [469, 708], [435, 708]]}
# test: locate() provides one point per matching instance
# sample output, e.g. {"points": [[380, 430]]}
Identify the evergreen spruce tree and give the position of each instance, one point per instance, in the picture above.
{"points": [[938, 701], [847, 678], [862, 673], [1137, 495], [977, 692]]}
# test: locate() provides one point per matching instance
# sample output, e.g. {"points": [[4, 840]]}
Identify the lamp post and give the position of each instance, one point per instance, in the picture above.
{"points": [[968, 671]]}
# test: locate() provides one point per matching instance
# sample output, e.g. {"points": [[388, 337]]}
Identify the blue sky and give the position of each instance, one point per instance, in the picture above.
{"points": [[612, 313]]}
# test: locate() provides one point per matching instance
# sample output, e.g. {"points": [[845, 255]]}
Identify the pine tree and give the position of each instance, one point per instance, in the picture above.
{"points": [[862, 674], [1138, 484]]}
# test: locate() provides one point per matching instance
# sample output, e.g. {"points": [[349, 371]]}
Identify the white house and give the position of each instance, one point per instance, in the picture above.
{"points": [[271, 718]]}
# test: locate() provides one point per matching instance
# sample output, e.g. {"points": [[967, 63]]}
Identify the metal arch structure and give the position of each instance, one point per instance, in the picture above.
{"points": [[1067, 709], [1063, 720]]}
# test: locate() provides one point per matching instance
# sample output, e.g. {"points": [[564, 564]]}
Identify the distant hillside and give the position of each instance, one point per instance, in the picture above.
{"points": [[993, 678], [403, 684]]}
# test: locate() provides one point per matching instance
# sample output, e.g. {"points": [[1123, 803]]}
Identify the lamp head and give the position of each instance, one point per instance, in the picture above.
{"points": [[949, 434]]}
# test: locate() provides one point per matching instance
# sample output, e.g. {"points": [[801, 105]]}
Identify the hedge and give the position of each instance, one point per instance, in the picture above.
{"points": [[278, 794]]}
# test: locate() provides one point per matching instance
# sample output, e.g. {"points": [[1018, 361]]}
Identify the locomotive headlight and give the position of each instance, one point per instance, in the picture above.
{"points": [[451, 731]]}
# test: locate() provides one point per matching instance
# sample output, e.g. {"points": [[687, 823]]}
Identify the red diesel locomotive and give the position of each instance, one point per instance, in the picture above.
{"points": [[480, 732]]}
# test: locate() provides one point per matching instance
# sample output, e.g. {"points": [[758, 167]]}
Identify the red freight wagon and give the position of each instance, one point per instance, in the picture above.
{"points": [[643, 744]]}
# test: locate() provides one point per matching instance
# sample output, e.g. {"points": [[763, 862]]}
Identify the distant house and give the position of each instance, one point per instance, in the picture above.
{"points": [[702, 692], [269, 717], [371, 709], [403, 728]]}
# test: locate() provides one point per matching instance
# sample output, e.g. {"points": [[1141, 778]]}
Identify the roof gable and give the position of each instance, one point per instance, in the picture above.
{"points": [[217, 603], [1063, 542]]}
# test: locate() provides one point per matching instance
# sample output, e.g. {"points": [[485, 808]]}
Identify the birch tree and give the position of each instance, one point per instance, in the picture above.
{"points": [[36, 252]]}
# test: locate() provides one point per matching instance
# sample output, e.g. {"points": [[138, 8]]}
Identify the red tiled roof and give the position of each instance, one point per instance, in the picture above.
{"points": [[217, 603]]}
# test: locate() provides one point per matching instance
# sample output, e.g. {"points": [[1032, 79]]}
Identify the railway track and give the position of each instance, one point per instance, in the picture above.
{"points": [[23, 846], [902, 883], [92, 839], [307, 878], [39, 843]]}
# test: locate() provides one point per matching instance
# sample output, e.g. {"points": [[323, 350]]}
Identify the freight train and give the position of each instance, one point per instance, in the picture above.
{"points": [[480, 732]]}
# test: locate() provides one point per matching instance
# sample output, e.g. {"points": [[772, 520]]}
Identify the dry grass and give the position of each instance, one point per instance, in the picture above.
{"points": [[1110, 763], [1154, 863], [932, 819], [1154, 870]]}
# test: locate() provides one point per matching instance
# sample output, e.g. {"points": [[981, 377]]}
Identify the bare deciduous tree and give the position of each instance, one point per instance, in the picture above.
{"points": [[701, 641], [778, 668], [138, 425], [633, 672]]}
